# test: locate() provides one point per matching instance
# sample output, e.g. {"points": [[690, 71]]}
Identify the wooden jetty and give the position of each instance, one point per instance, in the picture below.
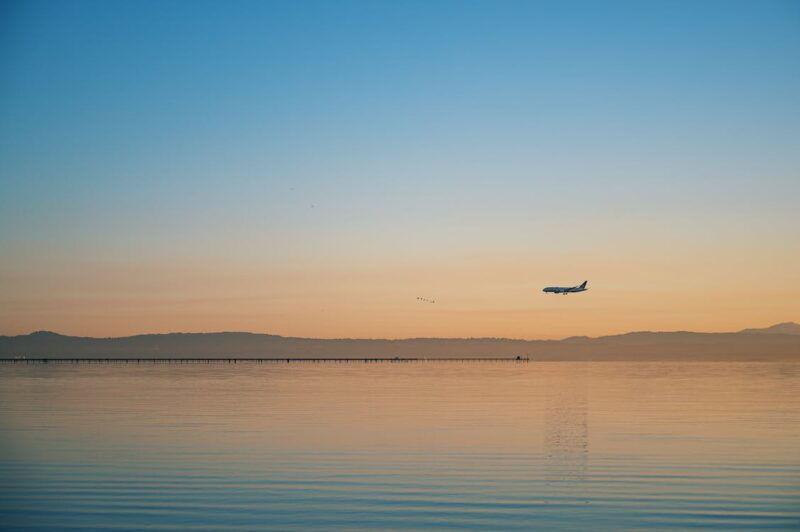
{"points": [[228, 360]]}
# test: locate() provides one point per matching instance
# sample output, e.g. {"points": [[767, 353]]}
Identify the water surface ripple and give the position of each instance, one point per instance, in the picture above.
{"points": [[445, 445]]}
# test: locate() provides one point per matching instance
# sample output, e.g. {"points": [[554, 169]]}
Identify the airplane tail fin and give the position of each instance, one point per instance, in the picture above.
{"points": [[583, 285]]}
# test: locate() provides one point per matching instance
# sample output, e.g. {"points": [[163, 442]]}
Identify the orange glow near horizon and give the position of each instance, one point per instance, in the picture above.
{"points": [[474, 297]]}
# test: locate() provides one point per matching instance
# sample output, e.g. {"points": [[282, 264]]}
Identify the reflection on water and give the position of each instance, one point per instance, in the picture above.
{"points": [[566, 425], [389, 446]]}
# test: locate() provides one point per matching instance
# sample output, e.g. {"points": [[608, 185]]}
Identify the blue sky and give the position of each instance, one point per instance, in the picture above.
{"points": [[344, 134]]}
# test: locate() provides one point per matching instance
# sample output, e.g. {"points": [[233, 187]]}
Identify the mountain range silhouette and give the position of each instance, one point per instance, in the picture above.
{"points": [[778, 342]]}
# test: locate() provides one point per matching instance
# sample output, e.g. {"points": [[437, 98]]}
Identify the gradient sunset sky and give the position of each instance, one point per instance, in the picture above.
{"points": [[311, 168]]}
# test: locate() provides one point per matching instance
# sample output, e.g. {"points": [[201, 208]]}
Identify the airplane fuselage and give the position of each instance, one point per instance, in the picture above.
{"points": [[566, 289]]}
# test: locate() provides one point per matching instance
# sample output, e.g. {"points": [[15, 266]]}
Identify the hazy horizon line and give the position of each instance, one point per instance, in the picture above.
{"points": [[788, 322]]}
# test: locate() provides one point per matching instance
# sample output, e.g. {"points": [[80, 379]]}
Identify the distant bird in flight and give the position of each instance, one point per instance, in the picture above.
{"points": [[566, 289]]}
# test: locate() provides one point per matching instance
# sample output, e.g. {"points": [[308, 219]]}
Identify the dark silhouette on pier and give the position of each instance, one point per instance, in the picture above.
{"points": [[63, 360]]}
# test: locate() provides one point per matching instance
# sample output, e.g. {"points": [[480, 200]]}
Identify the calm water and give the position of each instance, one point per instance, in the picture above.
{"points": [[446, 445]]}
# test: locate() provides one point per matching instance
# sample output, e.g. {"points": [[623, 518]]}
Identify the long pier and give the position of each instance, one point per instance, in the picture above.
{"points": [[228, 360]]}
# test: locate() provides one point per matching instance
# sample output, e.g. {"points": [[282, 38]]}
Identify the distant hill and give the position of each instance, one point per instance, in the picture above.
{"points": [[780, 342], [788, 327]]}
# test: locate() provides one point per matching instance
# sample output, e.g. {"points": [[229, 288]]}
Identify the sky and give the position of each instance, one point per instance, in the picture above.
{"points": [[312, 168]]}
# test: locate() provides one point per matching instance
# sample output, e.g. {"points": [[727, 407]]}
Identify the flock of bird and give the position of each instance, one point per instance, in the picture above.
{"points": [[426, 300]]}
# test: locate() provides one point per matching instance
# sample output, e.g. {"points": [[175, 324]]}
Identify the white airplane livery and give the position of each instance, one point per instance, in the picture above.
{"points": [[566, 289]]}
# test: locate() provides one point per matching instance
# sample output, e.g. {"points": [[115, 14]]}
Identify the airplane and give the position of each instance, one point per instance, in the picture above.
{"points": [[566, 289]]}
